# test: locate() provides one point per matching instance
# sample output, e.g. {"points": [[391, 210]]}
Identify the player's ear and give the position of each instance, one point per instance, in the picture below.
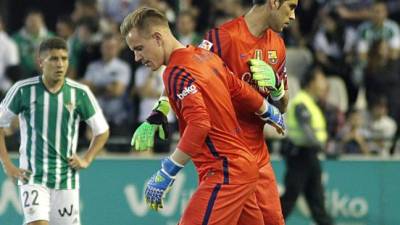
{"points": [[274, 3], [157, 37]]}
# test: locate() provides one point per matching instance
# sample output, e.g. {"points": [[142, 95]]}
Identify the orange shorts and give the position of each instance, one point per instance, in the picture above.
{"points": [[222, 204], [267, 199]]}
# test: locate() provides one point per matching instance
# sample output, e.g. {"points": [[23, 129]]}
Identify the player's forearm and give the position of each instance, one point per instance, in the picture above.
{"points": [[180, 157], [96, 145], [4, 157], [282, 103]]}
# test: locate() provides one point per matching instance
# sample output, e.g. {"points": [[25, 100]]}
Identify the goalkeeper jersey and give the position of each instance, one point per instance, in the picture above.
{"points": [[200, 87], [234, 43], [49, 125]]}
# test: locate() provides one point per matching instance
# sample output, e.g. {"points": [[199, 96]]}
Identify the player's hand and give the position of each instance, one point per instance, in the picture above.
{"points": [[160, 183], [143, 138], [264, 74], [77, 163], [274, 117], [17, 173]]}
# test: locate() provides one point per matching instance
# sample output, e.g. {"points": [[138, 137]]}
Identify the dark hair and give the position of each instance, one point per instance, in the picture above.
{"points": [[259, 2], [310, 75], [90, 23], [67, 20], [89, 3], [52, 43]]}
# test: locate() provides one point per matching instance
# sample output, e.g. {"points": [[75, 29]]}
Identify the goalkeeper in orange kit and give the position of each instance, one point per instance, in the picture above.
{"points": [[200, 89]]}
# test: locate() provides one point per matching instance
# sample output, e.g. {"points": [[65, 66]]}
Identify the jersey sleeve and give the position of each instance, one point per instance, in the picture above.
{"points": [[91, 113], [242, 92], [188, 100], [220, 39], [11, 105]]}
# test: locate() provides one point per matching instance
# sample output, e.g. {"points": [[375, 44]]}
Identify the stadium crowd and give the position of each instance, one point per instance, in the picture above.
{"points": [[356, 43]]}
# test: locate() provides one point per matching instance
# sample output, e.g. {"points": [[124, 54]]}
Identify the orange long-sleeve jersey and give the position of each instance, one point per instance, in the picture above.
{"points": [[200, 89], [234, 43]]}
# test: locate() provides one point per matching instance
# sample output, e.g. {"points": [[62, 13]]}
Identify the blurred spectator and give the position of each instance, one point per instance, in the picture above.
{"points": [[9, 60], [65, 29], [117, 9], [381, 127], [353, 136], [109, 78], [378, 28], [352, 11], [186, 24], [302, 29], [333, 44], [28, 39], [85, 9], [307, 136], [382, 77], [85, 46]]}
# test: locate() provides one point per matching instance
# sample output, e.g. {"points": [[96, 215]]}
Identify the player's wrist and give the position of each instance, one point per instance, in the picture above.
{"points": [[170, 167]]}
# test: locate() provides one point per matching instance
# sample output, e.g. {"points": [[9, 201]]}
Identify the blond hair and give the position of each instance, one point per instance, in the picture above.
{"points": [[143, 19]]}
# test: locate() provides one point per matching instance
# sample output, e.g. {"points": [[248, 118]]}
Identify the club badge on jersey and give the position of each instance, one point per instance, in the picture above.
{"points": [[206, 45], [272, 56]]}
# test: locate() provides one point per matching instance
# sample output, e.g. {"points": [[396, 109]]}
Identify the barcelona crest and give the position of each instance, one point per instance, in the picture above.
{"points": [[272, 56]]}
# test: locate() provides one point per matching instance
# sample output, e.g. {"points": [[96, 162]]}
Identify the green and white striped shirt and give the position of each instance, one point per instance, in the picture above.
{"points": [[49, 124]]}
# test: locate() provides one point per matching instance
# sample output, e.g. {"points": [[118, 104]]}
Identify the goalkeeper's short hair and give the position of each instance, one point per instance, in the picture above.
{"points": [[259, 2]]}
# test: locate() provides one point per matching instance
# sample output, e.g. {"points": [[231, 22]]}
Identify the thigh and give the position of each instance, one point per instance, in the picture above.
{"points": [[267, 195], [217, 204], [35, 202], [251, 213], [65, 207]]}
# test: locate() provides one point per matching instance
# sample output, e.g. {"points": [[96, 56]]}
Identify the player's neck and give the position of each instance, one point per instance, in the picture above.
{"points": [[256, 21], [175, 45], [52, 85]]}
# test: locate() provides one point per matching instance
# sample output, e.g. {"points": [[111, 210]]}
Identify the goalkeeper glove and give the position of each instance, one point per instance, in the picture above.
{"points": [[160, 183], [265, 77], [143, 138], [273, 117]]}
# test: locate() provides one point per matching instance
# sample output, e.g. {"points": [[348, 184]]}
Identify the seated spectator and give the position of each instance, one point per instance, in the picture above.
{"points": [[353, 136], [382, 127], [109, 78], [28, 39], [382, 77]]}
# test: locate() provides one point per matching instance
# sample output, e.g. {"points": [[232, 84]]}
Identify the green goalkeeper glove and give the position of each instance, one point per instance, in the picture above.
{"points": [[265, 77], [143, 138]]}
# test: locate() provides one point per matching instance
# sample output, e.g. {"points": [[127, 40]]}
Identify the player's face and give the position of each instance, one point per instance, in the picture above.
{"points": [[147, 49], [54, 64], [283, 15]]}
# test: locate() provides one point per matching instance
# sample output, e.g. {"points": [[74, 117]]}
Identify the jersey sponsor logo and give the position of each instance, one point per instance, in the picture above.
{"points": [[206, 45], [272, 56], [187, 91], [65, 211]]}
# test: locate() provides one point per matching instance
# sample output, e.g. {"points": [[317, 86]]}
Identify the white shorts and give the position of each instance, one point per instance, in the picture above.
{"points": [[59, 207]]}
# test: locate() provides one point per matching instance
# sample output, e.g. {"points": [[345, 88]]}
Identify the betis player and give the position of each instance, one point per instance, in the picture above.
{"points": [[50, 108]]}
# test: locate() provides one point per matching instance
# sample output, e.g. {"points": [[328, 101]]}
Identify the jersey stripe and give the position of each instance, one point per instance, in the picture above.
{"points": [[70, 135], [60, 102], [45, 127], [214, 152], [170, 75], [31, 133], [219, 50], [210, 204]]}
